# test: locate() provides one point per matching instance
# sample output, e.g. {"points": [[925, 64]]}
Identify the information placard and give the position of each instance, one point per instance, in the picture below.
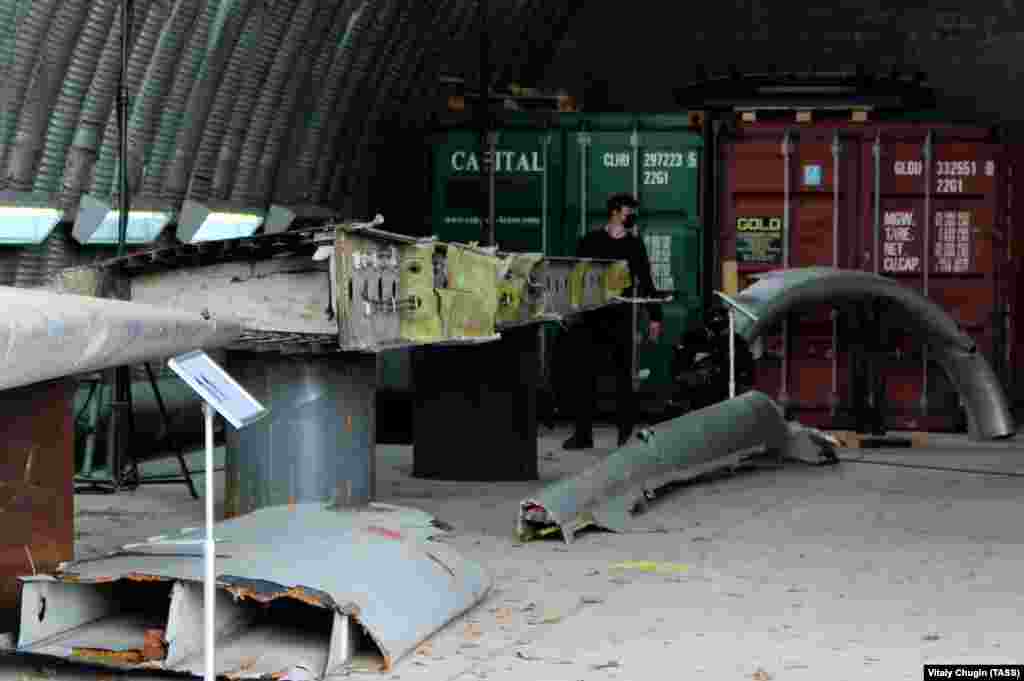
{"points": [[217, 388]]}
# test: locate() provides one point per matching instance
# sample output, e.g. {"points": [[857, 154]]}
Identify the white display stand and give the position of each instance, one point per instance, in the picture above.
{"points": [[222, 394], [733, 307]]}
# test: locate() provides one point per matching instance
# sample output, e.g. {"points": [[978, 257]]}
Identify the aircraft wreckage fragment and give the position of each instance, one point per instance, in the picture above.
{"points": [[303, 592], [609, 494]]}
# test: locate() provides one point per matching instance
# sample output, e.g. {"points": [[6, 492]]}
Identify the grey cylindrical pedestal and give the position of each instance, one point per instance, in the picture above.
{"points": [[316, 444]]}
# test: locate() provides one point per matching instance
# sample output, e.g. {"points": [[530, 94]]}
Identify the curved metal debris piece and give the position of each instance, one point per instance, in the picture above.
{"points": [[304, 591], [606, 494], [778, 292]]}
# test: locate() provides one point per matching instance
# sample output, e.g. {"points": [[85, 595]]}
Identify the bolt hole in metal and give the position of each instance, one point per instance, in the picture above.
{"points": [[42, 608], [350, 294]]}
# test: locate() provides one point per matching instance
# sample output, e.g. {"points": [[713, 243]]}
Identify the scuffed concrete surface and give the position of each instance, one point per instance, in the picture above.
{"points": [[858, 571]]}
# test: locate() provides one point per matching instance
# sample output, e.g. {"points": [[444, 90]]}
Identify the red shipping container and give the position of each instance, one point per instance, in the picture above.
{"points": [[936, 227]]}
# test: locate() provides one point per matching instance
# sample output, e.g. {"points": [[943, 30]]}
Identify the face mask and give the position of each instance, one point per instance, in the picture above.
{"points": [[629, 222]]}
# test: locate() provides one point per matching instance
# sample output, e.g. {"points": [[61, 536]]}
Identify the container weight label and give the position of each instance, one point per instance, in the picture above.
{"points": [[659, 252]]}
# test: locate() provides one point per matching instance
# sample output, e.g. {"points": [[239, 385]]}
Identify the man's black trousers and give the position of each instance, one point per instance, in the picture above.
{"points": [[601, 346]]}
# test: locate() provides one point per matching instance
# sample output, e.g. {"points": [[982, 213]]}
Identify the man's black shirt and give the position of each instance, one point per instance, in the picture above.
{"points": [[599, 244]]}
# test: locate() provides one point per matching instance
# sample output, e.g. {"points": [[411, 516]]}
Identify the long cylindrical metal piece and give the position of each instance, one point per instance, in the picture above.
{"points": [[317, 444], [876, 152], [48, 335]]}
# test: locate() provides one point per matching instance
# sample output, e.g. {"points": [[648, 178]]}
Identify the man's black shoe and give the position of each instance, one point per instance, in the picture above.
{"points": [[578, 443]]}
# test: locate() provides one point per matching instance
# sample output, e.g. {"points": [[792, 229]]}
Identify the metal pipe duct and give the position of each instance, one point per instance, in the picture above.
{"points": [[257, 72], [778, 293], [48, 335]]}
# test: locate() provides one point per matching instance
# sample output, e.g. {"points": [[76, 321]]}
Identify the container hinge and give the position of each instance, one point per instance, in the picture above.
{"points": [[584, 139]]}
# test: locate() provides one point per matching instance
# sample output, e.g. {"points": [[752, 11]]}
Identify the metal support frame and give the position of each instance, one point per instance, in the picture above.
{"points": [[926, 261], [787, 153]]}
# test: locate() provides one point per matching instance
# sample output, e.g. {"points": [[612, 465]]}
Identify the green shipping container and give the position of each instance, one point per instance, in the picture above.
{"points": [[552, 183]]}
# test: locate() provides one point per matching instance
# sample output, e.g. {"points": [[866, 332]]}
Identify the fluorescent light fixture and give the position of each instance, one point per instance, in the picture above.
{"points": [[144, 226], [98, 223], [280, 218], [26, 225], [199, 222], [27, 218]]}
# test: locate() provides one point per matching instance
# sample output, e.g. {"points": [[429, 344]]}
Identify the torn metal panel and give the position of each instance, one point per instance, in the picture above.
{"points": [[607, 494], [49, 335], [305, 590]]}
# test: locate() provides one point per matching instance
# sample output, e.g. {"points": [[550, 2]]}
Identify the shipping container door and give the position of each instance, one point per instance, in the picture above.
{"points": [[661, 168], [936, 234], [807, 181], [527, 186]]}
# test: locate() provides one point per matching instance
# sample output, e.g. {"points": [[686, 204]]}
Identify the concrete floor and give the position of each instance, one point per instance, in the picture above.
{"points": [[860, 571]]}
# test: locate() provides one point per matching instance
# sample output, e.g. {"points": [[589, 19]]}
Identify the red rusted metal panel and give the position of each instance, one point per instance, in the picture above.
{"points": [[36, 488], [959, 242]]}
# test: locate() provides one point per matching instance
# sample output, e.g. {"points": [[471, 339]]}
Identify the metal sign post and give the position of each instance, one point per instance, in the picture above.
{"points": [[733, 306], [732, 353], [222, 394]]}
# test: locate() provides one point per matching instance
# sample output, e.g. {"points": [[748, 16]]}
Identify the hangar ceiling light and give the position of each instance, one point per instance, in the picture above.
{"points": [[215, 221], [98, 224], [27, 218]]}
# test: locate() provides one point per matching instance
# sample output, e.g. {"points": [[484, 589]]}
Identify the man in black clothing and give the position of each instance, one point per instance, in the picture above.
{"points": [[609, 331]]}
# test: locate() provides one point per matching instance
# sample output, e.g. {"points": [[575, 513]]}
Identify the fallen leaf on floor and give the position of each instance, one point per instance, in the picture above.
{"points": [[591, 600], [761, 675], [592, 573], [425, 648], [551, 618], [473, 631], [607, 665], [650, 566], [503, 615]]}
